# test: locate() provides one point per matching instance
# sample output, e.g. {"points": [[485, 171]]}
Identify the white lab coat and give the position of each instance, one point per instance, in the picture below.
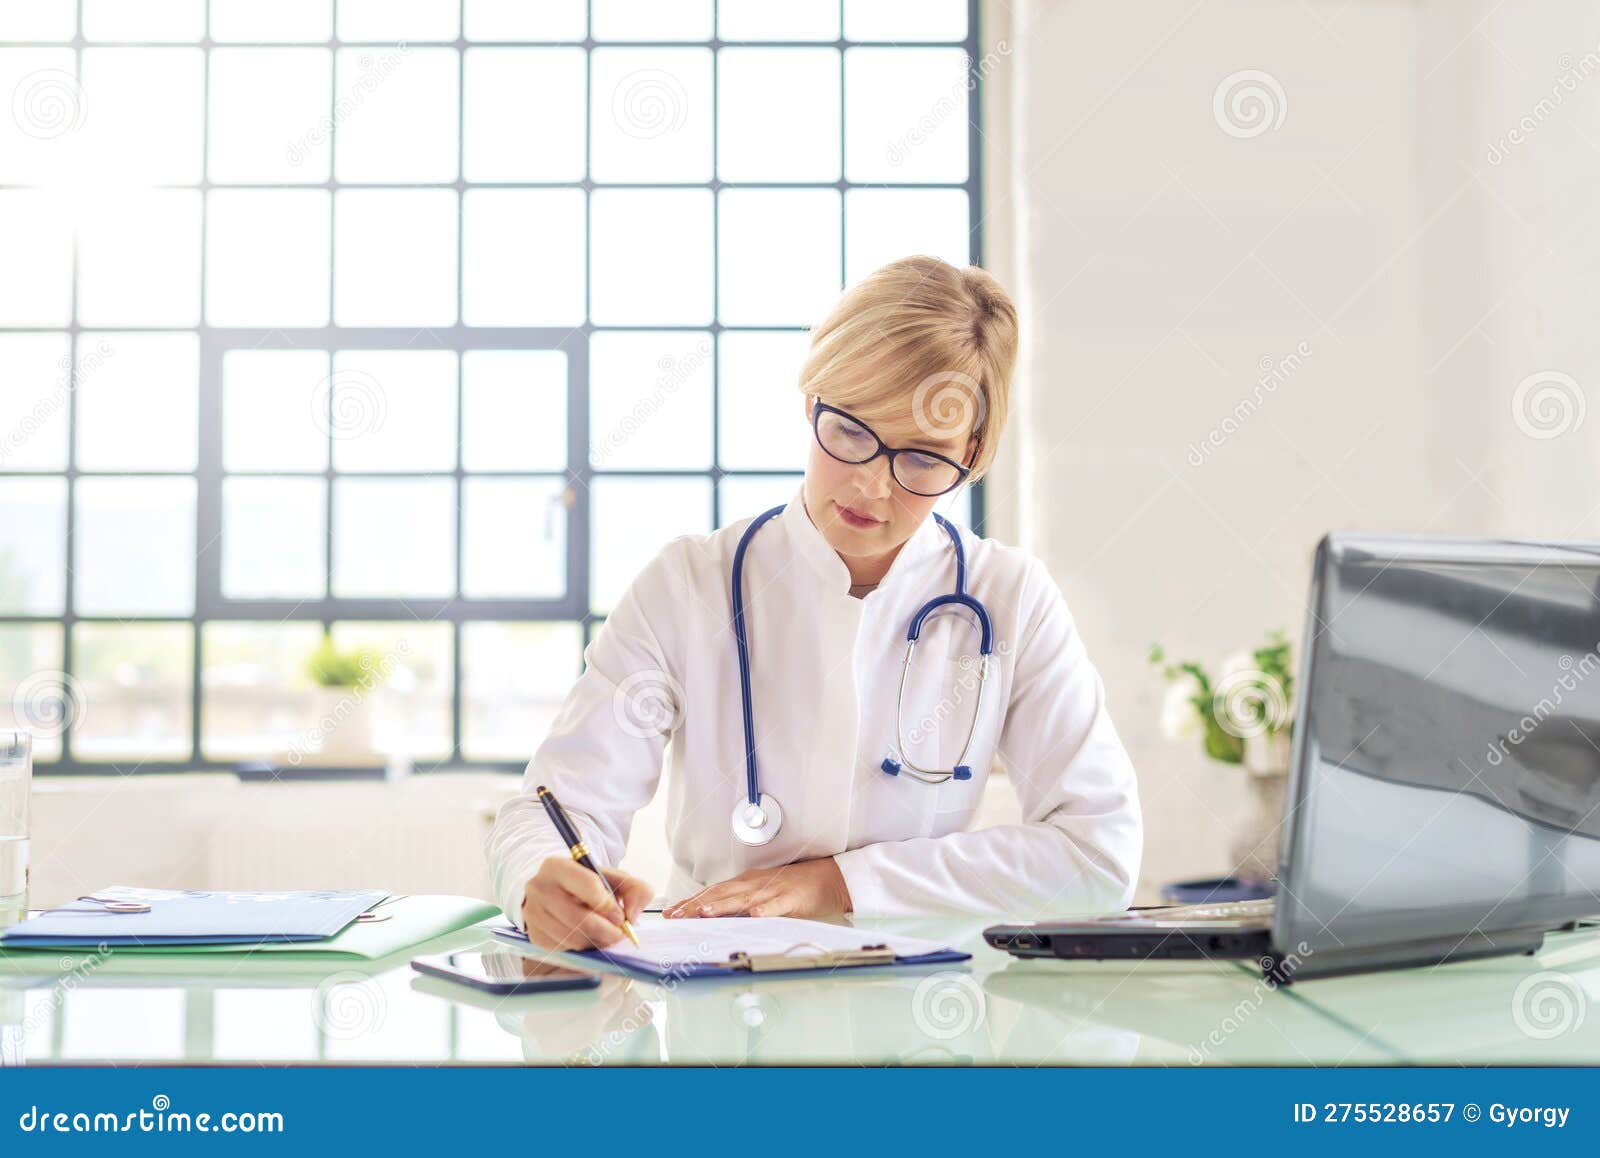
{"points": [[825, 672]]}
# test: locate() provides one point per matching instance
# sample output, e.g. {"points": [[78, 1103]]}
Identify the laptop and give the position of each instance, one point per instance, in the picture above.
{"points": [[1444, 789]]}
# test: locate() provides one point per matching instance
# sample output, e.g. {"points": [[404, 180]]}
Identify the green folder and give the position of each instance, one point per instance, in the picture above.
{"points": [[411, 920]]}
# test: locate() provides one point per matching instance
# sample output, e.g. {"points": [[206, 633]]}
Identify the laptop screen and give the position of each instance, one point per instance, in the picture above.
{"points": [[1447, 776]]}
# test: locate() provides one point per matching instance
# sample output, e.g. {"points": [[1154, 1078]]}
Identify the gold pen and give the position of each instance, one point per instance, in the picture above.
{"points": [[580, 851]]}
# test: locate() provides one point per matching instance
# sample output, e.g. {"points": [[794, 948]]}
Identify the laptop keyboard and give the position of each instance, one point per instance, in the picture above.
{"points": [[1224, 911]]}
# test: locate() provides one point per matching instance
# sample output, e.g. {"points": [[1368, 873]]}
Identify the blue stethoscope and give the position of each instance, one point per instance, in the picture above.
{"points": [[757, 818]]}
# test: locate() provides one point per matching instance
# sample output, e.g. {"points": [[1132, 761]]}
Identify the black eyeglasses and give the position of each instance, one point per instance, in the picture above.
{"points": [[846, 438]]}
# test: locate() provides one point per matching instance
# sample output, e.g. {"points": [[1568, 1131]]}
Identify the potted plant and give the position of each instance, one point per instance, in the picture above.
{"points": [[1244, 717], [345, 679]]}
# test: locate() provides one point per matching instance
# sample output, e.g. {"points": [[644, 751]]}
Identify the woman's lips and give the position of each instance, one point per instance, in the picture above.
{"points": [[855, 518]]}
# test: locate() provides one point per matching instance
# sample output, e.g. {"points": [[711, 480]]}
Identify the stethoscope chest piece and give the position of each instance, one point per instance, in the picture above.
{"points": [[757, 823]]}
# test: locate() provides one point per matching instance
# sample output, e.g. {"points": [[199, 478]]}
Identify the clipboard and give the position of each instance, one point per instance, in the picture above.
{"points": [[801, 957]]}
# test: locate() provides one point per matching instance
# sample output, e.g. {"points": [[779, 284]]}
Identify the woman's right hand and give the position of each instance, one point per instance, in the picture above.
{"points": [[566, 906]]}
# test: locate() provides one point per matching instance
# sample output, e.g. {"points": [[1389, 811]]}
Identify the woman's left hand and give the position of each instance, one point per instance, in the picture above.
{"points": [[807, 888]]}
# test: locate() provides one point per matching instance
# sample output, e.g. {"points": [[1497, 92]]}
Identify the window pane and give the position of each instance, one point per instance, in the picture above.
{"points": [[744, 496], [144, 19], [906, 119], [35, 695], [764, 20], [256, 700], [514, 678], [778, 114], [284, 139], [394, 537], [395, 257], [633, 519], [519, 20], [36, 275], [33, 546], [394, 410], [882, 225], [514, 538], [516, 129], [652, 19], [763, 230], [39, 20], [763, 422], [514, 406], [274, 543], [397, 118], [146, 115], [398, 19], [135, 546], [35, 385], [651, 256], [137, 681], [267, 254], [47, 109], [524, 257], [650, 114], [905, 20], [137, 401], [413, 702], [252, 22], [650, 399], [139, 260], [274, 410]]}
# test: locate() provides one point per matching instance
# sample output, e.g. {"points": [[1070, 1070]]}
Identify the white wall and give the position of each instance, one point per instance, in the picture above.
{"points": [[1160, 261]]}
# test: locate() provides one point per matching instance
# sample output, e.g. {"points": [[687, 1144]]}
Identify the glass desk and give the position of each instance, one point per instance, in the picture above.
{"points": [[56, 1009]]}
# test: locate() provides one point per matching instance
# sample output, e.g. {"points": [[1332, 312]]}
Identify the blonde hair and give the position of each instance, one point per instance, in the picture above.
{"points": [[921, 326]]}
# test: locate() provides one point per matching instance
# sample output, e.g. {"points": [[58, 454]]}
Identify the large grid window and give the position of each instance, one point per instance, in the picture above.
{"points": [[424, 324]]}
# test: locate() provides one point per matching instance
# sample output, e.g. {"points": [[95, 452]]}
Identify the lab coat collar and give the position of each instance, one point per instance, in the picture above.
{"points": [[808, 542]]}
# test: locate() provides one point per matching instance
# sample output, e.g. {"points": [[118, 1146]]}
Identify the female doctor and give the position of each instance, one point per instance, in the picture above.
{"points": [[820, 762]]}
